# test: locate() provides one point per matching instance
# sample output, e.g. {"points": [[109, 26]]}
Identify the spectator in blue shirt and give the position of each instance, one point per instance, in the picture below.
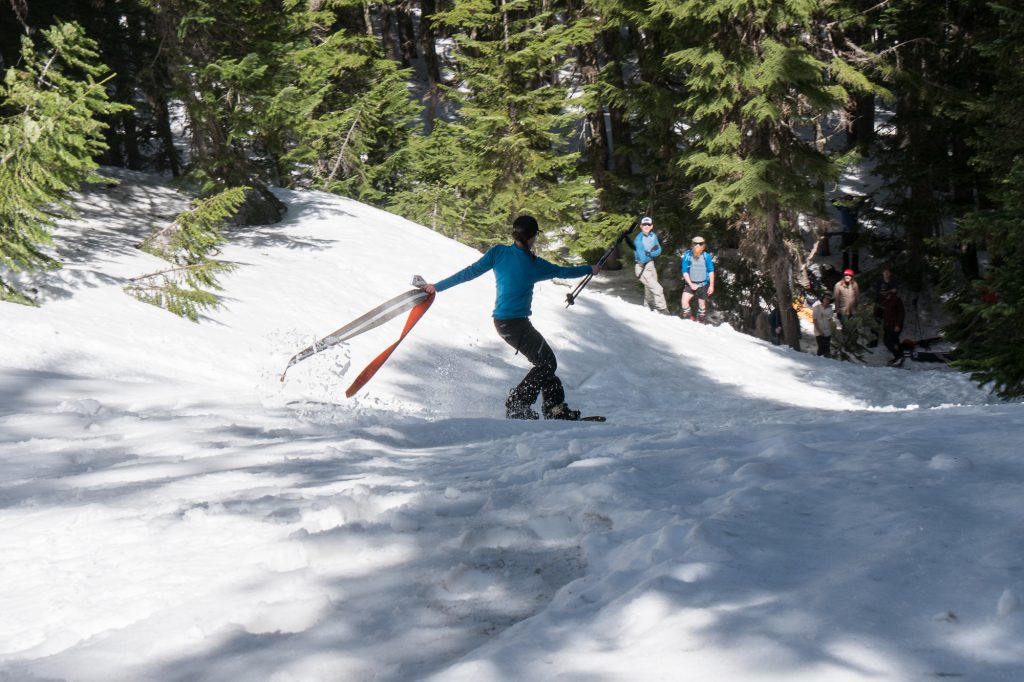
{"points": [[698, 279], [646, 248]]}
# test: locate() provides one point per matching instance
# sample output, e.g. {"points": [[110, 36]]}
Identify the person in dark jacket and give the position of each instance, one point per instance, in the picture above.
{"points": [[516, 269], [892, 324], [888, 282]]}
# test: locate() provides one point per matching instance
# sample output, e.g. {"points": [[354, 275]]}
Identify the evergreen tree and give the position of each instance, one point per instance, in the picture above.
{"points": [[228, 66], [188, 243], [987, 314], [934, 72], [760, 81], [636, 81], [139, 138], [128, 42], [514, 120], [50, 131], [851, 341], [349, 114], [647, 129], [427, 196], [286, 92]]}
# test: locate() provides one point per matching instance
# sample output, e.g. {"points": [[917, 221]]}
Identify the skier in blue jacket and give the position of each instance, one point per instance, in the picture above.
{"points": [[698, 279], [516, 269]]}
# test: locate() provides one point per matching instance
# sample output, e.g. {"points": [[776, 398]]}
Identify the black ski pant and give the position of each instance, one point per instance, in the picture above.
{"points": [[891, 339], [824, 345], [522, 336]]}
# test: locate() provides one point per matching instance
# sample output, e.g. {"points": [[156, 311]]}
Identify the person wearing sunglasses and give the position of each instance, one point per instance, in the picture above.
{"points": [[646, 248], [698, 280]]}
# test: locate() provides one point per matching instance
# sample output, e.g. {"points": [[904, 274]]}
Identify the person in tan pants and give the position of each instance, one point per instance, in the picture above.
{"points": [[646, 248]]}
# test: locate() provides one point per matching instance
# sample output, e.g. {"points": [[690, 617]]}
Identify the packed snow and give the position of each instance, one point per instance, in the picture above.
{"points": [[171, 511]]}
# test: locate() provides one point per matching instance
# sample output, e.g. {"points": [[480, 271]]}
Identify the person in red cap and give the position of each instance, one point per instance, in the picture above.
{"points": [[846, 295]]}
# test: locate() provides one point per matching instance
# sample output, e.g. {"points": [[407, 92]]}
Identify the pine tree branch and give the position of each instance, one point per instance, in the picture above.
{"points": [[344, 147], [11, 154], [179, 268], [159, 233]]}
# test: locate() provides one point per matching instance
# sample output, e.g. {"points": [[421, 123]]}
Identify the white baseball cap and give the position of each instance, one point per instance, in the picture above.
{"points": [[646, 220]]}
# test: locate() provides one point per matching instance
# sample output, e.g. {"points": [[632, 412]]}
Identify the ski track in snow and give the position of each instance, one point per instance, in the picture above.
{"points": [[170, 511]]}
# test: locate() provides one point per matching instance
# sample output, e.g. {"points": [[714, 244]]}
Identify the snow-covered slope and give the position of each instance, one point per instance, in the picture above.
{"points": [[169, 510]]}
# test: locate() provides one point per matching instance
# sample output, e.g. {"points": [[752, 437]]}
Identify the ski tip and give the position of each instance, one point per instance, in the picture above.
{"points": [[593, 418]]}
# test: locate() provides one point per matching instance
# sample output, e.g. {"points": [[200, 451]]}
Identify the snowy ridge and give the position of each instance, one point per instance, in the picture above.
{"points": [[169, 510]]}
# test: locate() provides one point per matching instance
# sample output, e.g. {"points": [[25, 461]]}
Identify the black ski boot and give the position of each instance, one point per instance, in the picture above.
{"points": [[514, 410], [562, 412]]}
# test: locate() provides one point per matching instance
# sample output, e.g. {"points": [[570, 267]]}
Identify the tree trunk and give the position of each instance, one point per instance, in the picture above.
{"points": [[925, 147], [406, 33], [368, 18], [428, 48], [597, 149], [428, 41], [920, 227], [163, 125], [780, 267], [387, 32], [619, 132], [861, 131]]}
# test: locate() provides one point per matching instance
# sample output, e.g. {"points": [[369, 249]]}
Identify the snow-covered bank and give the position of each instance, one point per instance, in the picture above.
{"points": [[170, 511]]}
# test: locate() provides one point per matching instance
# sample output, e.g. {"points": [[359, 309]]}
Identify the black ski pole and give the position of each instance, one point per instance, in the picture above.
{"points": [[571, 296]]}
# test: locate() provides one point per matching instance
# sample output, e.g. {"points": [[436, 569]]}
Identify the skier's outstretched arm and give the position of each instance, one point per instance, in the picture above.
{"points": [[470, 272]]}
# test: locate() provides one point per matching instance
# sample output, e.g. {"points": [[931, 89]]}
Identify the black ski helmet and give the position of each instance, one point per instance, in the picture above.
{"points": [[525, 228]]}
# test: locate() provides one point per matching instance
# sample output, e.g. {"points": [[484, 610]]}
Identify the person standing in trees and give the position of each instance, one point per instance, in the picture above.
{"points": [[892, 324], [698, 280], [516, 269], [646, 248], [888, 282], [822, 313], [846, 294]]}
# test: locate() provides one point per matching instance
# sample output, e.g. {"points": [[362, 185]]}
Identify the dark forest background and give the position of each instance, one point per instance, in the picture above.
{"points": [[732, 118]]}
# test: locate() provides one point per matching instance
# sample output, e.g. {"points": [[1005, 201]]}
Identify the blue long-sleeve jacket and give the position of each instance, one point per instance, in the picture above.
{"points": [[644, 243], [515, 273]]}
